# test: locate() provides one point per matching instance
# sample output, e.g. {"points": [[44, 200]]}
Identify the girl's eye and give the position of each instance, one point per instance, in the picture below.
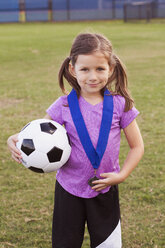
{"points": [[84, 69], [100, 69]]}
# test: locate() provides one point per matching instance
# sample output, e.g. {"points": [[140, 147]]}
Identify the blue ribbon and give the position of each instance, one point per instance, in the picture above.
{"points": [[94, 155]]}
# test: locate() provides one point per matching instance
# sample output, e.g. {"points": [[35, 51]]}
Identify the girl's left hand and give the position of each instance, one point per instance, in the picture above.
{"points": [[109, 179]]}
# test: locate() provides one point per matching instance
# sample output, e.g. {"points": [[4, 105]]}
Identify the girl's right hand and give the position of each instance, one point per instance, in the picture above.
{"points": [[15, 153]]}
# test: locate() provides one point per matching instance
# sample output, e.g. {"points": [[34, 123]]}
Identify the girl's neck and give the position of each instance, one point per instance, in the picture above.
{"points": [[93, 98]]}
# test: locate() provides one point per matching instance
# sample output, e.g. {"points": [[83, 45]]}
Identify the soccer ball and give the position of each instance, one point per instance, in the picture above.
{"points": [[44, 145]]}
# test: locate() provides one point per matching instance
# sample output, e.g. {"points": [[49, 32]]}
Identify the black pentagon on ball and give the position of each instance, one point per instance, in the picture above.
{"points": [[27, 146], [48, 127], [55, 154], [38, 170]]}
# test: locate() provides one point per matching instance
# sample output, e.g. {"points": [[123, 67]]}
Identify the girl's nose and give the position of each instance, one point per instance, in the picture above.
{"points": [[92, 76]]}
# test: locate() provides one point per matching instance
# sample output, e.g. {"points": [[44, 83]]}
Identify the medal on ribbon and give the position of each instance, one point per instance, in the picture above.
{"points": [[94, 155], [92, 179]]}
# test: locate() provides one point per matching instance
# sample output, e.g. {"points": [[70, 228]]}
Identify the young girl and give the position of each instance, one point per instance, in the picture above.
{"points": [[94, 113]]}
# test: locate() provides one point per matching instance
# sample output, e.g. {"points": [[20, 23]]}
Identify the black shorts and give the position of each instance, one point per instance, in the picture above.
{"points": [[101, 213]]}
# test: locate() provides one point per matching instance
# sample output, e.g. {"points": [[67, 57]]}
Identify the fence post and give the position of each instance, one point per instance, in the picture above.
{"points": [[113, 9], [125, 12], [50, 11], [155, 4], [148, 14], [22, 12], [68, 9]]}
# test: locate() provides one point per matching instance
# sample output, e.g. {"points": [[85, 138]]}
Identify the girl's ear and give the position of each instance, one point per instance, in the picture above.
{"points": [[111, 69], [72, 70]]}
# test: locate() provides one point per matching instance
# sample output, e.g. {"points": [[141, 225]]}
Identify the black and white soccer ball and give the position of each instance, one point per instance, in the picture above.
{"points": [[44, 145]]}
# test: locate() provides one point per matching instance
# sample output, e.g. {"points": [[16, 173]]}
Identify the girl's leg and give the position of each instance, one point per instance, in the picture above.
{"points": [[103, 220], [68, 220]]}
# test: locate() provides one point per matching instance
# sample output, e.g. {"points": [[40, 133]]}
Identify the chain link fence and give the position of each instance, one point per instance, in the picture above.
{"points": [[69, 10]]}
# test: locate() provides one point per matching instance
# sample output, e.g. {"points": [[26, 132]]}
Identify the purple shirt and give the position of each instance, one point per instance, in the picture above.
{"points": [[74, 175]]}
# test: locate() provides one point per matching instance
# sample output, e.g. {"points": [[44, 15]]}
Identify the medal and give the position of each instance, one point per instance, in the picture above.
{"points": [[90, 181], [94, 155], [94, 178]]}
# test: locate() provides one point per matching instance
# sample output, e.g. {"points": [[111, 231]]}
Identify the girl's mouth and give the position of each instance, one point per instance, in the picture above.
{"points": [[93, 84]]}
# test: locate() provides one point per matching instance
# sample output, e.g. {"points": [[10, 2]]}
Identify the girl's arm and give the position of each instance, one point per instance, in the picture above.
{"points": [[11, 142], [47, 117], [135, 154]]}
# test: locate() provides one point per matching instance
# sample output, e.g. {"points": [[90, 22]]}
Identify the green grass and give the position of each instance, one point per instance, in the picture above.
{"points": [[30, 56]]}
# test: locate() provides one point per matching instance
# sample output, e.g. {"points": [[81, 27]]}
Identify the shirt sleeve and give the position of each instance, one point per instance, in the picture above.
{"points": [[125, 118], [128, 117], [55, 111]]}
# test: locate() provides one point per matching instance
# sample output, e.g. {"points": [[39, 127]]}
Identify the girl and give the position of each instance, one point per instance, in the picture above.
{"points": [[94, 113]]}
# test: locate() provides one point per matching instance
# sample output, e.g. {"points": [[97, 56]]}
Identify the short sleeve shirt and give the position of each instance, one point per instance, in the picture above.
{"points": [[74, 175]]}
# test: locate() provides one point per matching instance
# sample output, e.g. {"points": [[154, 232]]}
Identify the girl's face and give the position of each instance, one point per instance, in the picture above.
{"points": [[92, 72]]}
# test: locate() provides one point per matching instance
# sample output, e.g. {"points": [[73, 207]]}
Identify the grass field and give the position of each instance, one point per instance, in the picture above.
{"points": [[30, 56]]}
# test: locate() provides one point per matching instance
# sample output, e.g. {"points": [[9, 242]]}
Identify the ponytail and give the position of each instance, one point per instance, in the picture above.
{"points": [[119, 78], [65, 73]]}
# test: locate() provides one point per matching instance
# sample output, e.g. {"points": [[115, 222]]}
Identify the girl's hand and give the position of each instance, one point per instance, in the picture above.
{"points": [[109, 180], [15, 153]]}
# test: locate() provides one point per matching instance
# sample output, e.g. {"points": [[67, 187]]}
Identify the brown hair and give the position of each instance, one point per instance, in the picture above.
{"points": [[87, 43]]}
